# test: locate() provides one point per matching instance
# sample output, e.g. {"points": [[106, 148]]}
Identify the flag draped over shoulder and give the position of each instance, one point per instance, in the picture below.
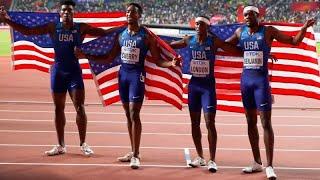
{"points": [[36, 52], [296, 73], [160, 83]]}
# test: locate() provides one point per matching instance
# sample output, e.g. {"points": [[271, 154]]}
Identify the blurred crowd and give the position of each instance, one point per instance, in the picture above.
{"points": [[179, 11]]}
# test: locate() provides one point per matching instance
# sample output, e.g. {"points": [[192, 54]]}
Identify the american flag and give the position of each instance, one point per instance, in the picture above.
{"points": [[296, 72], [36, 52]]}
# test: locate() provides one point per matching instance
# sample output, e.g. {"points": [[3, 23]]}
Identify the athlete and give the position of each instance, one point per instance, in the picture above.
{"points": [[255, 41], [66, 74], [133, 44], [201, 88]]}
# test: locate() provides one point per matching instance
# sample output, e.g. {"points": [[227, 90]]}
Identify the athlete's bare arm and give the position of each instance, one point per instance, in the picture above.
{"points": [[234, 39], [45, 29], [274, 33], [227, 46], [94, 31], [155, 52], [181, 43], [106, 58]]}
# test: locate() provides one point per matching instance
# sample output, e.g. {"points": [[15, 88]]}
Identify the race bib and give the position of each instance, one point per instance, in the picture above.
{"points": [[253, 59], [200, 68], [130, 55]]}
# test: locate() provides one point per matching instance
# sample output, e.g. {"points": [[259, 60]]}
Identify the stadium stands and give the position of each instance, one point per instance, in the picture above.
{"points": [[179, 11]]}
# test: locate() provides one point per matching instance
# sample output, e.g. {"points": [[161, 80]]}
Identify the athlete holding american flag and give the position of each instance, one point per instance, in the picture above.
{"points": [[66, 74], [133, 43], [255, 40]]}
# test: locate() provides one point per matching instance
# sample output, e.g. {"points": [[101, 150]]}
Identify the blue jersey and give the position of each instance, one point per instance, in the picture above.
{"points": [[133, 50], [64, 42], [201, 61], [255, 50]]}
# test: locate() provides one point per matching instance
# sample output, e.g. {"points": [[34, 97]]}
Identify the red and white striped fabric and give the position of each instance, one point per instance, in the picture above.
{"points": [[28, 55]]}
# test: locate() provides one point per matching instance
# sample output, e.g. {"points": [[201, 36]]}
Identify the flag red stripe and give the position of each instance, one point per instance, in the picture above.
{"points": [[221, 75], [296, 93], [302, 45], [158, 96], [108, 77], [109, 89], [32, 57], [163, 74], [291, 68], [31, 66], [296, 57], [85, 66], [294, 33], [161, 85], [32, 48], [87, 76], [228, 97], [100, 15], [112, 100], [301, 81], [230, 108], [108, 24]]}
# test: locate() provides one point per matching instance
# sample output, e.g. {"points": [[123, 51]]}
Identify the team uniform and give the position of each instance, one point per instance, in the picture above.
{"points": [[255, 87], [132, 74], [201, 88], [66, 73]]}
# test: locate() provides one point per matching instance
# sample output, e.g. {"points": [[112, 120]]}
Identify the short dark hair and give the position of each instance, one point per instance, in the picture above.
{"points": [[205, 17], [136, 5], [67, 2]]}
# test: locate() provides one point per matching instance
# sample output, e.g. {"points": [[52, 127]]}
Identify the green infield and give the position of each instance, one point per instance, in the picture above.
{"points": [[318, 48], [5, 43]]}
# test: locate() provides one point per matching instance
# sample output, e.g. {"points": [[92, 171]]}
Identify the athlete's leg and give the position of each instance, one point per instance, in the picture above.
{"points": [[209, 106], [59, 100], [251, 116], [136, 96], [196, 131], [268, 135], [78, 97], [58, 93], [212, 133], [124, 96], [194, 103], [136, 128], [125, 106], [248, 99], [264, 105]]}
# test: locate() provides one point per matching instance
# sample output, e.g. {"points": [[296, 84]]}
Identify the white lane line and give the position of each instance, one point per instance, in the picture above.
{"points": [[120, 104], [187, 156], [144, 165], [148, 133], [155, 114], [87, 103], [160, 123], [160, 148], [98, 112]]}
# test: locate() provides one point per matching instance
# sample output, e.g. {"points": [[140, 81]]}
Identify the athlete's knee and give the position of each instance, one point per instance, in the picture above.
{"points": [[252, 123], [210, 124], [59, 108], [80, 109], [135, 116], [266, 124], [128, 115], [195, 122]]}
